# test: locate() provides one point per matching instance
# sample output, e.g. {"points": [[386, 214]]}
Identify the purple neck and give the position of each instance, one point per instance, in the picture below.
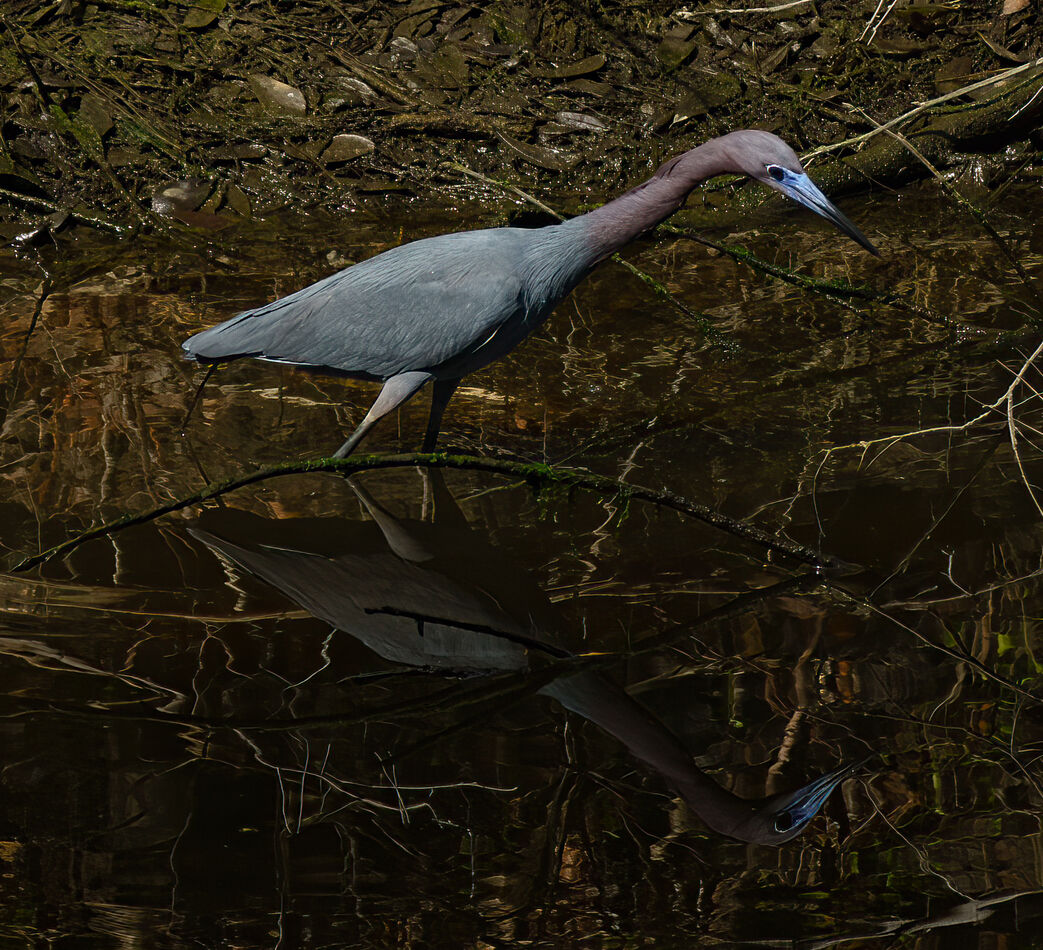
{"points": [[617, 223]]}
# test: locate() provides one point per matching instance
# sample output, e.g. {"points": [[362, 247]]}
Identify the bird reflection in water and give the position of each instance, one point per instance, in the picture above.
{"points": [[438, 596]]}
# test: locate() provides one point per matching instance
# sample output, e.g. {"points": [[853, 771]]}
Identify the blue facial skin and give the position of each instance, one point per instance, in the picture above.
{"points": [[804, 191]]}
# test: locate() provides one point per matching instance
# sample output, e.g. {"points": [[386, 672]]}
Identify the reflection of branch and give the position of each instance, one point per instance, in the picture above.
{"points": [[942, 515], [538, 475], [998, 405], [13, 379], [963, 657], [921, 854]]}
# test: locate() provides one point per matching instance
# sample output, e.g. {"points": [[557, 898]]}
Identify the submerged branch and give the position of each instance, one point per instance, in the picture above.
{"points": [[839, 291], [538, 475]]}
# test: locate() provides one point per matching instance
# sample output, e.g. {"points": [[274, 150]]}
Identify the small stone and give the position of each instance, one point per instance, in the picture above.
{"points": [[278, 97], [345, 147]]}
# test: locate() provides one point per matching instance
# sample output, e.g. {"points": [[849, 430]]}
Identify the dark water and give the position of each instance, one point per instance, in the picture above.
{"points": [[416, 710]]}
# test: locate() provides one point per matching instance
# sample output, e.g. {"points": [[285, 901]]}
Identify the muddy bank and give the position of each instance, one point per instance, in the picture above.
{"points": [[124, 114]]}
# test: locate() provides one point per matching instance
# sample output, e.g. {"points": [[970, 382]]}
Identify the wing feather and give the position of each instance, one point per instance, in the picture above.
{"points": [[416, 307]]}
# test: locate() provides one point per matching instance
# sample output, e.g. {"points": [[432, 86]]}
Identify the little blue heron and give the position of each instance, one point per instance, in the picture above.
{"points": [[442, 307]]}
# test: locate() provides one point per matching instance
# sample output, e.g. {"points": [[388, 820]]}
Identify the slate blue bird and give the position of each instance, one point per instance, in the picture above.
{"points": [[439, 308]]}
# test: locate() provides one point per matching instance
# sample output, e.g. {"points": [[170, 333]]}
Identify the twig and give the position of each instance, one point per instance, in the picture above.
{"points": [[536, 474], [878, 23], [879, 4], [991, 408], [95, 220], [924, 106], [1012, 429], [504, 186], [937, 520], [44, 293], [690, 14], [921, 855]]}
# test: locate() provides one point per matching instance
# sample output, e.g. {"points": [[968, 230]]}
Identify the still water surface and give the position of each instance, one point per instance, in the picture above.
{"points": [[416, 709]]}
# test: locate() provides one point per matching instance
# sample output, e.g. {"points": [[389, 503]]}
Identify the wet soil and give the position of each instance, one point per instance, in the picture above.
{"points": [[122, 114]]}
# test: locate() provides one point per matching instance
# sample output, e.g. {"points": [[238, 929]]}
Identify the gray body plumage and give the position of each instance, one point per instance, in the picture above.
{"points": [[445, 306]]}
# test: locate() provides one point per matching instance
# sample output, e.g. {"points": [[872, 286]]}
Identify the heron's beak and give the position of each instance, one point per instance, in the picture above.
{"points": [[794, 810], [804, 191]]}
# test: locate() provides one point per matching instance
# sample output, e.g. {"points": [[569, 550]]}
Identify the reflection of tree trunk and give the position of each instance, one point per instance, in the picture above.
{"points": [[805, 693]]}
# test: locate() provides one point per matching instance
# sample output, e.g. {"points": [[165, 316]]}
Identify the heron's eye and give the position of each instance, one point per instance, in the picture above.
{"points": [[776, 172], [783, 821]]}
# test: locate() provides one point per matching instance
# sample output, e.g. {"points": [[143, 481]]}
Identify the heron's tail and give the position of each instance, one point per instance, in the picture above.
{"points": [[239, 336]]}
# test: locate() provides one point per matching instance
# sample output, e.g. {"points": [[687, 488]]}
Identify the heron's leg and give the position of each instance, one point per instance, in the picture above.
{"points": [[441, 392], [395, 392], [199, 392]]}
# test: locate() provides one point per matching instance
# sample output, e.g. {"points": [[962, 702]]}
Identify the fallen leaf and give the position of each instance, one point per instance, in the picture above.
{"points": [[581, 68]]}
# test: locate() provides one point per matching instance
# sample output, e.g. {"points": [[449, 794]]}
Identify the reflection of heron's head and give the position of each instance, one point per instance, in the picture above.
{"points": [[784, 816]]}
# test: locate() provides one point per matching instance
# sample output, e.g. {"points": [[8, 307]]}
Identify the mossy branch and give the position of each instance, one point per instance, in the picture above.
{"points": [[538, 475], [837, 290]]}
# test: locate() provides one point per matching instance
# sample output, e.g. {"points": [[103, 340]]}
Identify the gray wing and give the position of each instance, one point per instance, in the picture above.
{"points": [[414, 307]]}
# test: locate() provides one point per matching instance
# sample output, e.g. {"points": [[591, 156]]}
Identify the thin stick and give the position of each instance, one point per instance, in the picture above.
{"points": [[537, 475], [689, 14], [44, 293], [84, 217], [199, 392], [1012, 428]]}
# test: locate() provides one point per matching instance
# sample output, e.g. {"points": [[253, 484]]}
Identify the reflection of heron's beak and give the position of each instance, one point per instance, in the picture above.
{"points": [[804, 191], [793, 811]]}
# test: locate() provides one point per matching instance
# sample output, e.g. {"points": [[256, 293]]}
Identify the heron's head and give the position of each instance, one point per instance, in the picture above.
{"points": [[766, 158]]}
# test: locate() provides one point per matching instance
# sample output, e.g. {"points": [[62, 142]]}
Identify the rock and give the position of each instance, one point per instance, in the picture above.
{"points": [[278, 97], [345, 147], [185, 195], [581, 122]]}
